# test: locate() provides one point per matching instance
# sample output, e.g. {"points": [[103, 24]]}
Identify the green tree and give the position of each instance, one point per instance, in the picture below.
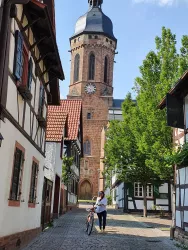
{"points": [[66, 169], [138, 144], [122, 152]]}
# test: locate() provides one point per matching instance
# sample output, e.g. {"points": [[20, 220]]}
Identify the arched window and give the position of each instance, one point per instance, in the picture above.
{"points": [[76, 67], [106, 69], [92, 67], [87, 147]]}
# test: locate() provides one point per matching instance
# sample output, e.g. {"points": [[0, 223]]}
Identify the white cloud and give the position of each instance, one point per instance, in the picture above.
{"points": [[162, 2]]}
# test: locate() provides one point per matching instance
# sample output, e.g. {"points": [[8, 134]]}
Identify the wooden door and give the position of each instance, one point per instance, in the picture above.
{"points": [[85, 191]]}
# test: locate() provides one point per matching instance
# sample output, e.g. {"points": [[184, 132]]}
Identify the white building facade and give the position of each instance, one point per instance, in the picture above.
{"points": [[24, 97]]}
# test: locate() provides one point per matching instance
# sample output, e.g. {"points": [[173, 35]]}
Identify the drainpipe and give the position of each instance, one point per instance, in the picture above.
{"points": [[4, 46]]}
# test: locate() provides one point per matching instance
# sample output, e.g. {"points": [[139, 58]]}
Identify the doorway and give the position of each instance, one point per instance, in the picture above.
{"points": [[56, 197], [85, 191]]}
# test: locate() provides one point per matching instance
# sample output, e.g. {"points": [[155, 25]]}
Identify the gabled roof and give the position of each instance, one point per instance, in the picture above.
{"points": [[56, 122], [73, 108]]}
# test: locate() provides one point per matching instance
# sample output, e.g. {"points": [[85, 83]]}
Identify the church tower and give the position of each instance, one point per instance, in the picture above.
{"points": [[93, 48]]}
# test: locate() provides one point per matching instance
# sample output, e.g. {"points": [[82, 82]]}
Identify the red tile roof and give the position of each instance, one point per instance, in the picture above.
{"points": [[55, 123], [73, 108]]}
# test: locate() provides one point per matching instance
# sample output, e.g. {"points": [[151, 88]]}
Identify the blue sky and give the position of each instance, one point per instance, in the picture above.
{"points": [[136, 23]]}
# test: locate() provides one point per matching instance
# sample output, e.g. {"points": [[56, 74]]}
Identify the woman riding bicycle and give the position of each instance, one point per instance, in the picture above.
{"points": [[101, 204]]}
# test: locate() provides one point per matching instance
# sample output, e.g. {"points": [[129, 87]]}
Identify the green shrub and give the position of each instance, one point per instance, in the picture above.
{"points": [[109, 198]]}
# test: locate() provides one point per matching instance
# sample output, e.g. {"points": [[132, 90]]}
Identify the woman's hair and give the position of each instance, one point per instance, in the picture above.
{"points": [[102, 192]]}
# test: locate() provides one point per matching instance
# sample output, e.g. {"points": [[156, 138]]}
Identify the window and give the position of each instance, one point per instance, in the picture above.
{"points": [[15, 190], [92, 67], [96, 37], [41, 101], [87, 148], [76, 67], [163, 196], [106, 69], [89, 116], [90, 36], [33, 187], [23, 67], [18, 58], [74, 40], [138, 190], [107, 40]]}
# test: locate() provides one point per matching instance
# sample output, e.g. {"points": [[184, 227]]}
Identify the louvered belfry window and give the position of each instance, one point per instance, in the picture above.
{"points": [[76, 68], [17, 175], [34, 178], [106, 70], [92, 67]]}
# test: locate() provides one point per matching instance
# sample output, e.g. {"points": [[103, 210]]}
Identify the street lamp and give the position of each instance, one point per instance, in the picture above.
{"points": [[1, 139]]}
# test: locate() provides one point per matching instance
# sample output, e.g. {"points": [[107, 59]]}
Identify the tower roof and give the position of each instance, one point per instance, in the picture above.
{"points": [[94, 21]]}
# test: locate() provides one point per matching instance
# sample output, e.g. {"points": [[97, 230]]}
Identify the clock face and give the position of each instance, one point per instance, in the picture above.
{"points": [[90, 88]]}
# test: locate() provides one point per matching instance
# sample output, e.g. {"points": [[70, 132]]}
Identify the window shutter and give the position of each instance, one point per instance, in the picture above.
{"points": [[156, 191], [41, 100], [131, 189], [18, 57], [30, 74]]}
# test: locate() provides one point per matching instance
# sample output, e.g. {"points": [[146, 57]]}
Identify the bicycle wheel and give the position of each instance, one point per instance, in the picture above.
{"points": [[87, 226], [90, 225]]}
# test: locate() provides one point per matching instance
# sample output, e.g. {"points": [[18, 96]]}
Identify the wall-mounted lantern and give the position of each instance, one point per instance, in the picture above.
{"points": [[1, 139]]}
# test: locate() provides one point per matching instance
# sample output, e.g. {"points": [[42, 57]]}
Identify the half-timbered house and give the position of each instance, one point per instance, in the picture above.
{"points": [[73, 148], [176, 103], [29, 71]]}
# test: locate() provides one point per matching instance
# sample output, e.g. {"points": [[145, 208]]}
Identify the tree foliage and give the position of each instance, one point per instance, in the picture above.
{"points": [[137, 145], [66, 169]]}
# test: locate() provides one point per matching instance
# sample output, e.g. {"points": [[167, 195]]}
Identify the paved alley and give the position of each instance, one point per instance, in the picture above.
{"points": [[123, 232]]}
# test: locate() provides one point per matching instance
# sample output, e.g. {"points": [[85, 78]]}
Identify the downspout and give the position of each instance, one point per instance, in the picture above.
{"points": [[4, 48]]}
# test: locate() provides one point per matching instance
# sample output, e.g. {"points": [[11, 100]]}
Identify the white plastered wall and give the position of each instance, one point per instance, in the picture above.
{"points": [[53, 164], [18, 219]]}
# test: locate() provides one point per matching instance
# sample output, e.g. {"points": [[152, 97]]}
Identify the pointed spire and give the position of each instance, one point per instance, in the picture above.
{"points": [[95, 3]]}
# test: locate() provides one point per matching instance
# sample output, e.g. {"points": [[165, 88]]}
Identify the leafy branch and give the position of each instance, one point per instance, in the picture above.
{"points": [[66, 169]]}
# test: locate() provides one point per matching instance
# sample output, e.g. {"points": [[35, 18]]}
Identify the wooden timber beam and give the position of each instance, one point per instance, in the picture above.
{"points": [[37, 42], [29, 25]]}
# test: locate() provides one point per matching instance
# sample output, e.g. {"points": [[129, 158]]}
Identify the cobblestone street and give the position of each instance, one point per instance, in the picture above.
{"points": [[123, 232]]}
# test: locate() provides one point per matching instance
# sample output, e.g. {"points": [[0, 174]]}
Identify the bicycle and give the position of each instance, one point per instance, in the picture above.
{"points": [[90, 219]]}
